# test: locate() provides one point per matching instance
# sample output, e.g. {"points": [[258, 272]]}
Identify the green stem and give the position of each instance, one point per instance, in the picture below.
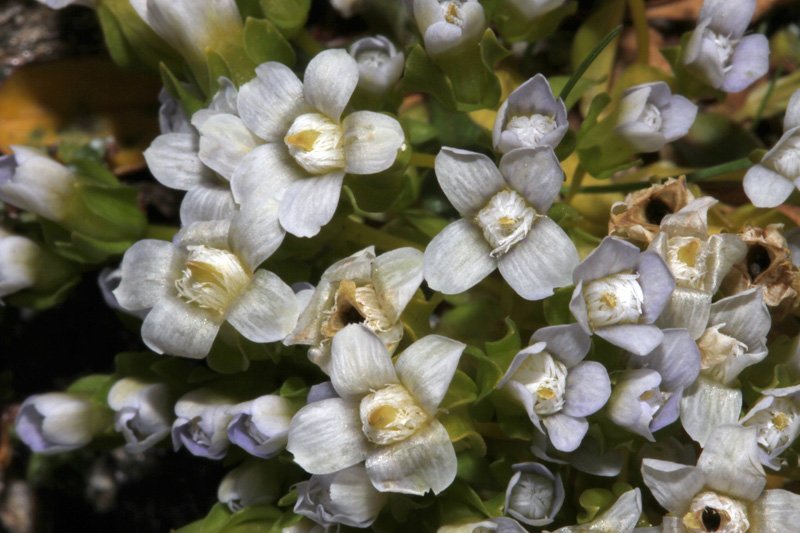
{"points": [[359, 233], [588, 61], [642, 31], [724, 168], [763, 104], [617, 187], [307, 43], [422, 160], [575, 184], [586, 235]]}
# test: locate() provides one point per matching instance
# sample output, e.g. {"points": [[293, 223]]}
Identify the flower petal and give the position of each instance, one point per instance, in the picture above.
{"points": [[535, 173], [256, 232], [728, 17], [326, 436], [267, 311], [730, 462], [765, 187], [673, 485], [310, 203], [639, 339], [749, 62], [173, 160], [541, 262], [610, 257], [460, 248], [271, 101], [396, 276], [776, 510], [678, 117], [424, 461], [371, 142], [427, 367], [224, 141], [676, 359], [359, 362], [687, 308], [207, 202], [588, 389], [564, 431], [657, 285], [146, 274], [468, 179], [568, 342], [329, 81], [706, 405], [178, 328]]}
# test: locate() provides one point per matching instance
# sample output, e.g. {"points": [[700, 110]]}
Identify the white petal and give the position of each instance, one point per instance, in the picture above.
{"points": [[687, 308], [371, 142], [775, 512], [564, 431], [396, 276], [750, 61], [457, 258], [207, 202], [535, 173], [657, 285], [267, 311], [329, 81], [765, 187], [173, 160], [146, 274], [730, 462], [359, 362], [610, 257], [468, 179], [568, 342], [588, 389], [269, 103], [424, 461], [310, 203], [177, 328], [728, 17], [639, 339], [792, 117], [708, 404], [224, 141], [673, 485], [678, 118], [263, 174], [543, 261], [326, 436], [427, 367]]}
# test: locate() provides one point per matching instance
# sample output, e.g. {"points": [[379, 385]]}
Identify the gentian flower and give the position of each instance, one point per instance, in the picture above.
{"points": [[142, 412], [505, 223], [380, 64], [308, 146], [251, 483], [20, 260], [207, 277], [769, 183], [449, 26], [556, 386], [386, 414], [724, 492], [717, 51], [364, 289], [530, 117], [57, 422], [534, 494], [650, 116], [261, 426], [202, 419], [501, 524], [346, 497], [34, 182], [619, 293], [776, 418], [621, 517]]}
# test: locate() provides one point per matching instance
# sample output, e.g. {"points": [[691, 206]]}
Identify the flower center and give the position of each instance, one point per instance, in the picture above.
{"points": [[212, 278], [652, 400], [391, 415], [546, 379], [724, 47], [786, 161], [530, 130], [615, 299], [355, 305], [710, 512], [532, 496], [505, 221], [651, 115], [316, 143], [716, 348], [451, 9], [777, 426], [372, 59], [686, 258]]}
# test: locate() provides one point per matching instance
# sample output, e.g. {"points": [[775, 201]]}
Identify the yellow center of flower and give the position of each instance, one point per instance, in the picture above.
{"points": [[390, 415], [212, 278], [316, 143], [505, 221], [615, 299]]}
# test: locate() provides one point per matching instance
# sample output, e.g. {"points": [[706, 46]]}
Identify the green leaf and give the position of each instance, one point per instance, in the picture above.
{"points": [[462, 391], [118, 207], [288, 499], [135, 364], [459, 426], [293, 388], [503, 351], [488, 373], [556, 308], [460, 504], [288, 16], [115, 41], [594, 502], [91, 171], [377, 192], [513, 26], [263, 42], [213, 522], [95, 386], [422, 75], [416, 315], [226, 360], [190, 101]]}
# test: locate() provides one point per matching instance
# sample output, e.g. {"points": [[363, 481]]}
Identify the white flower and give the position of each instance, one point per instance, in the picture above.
{"points": [[251, 483], [448, 26], [202, 418], [530, 117], [718, 53], [650, 116], [142, 412], [534, 495], [261, 426], [724, 492], [346, 497], [386, 414], [621, 517], [776, 417], [58, 422], [364, 289], [505, 223], [34, 182], [769, 183], [20, 260], [501, 524], [208, 276], [698, 262], [380, 64], [307, 146]]}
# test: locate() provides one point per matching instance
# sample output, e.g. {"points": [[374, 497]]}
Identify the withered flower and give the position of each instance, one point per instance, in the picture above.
{"points": [[637, 219]]}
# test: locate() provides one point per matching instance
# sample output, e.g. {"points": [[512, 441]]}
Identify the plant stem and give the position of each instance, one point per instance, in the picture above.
{"points": [[642, 31], [763, 104], [575, 184], [724, 168], [357, 232], [422, 160], [588, 61]]}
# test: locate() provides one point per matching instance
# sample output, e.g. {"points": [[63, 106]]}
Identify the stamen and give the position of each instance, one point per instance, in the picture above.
{"points": [[505, 221]]}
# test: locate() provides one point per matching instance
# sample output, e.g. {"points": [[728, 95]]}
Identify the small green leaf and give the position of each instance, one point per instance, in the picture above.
{"points": [[226, 360], [459, 426], [190, 101], [115, 41], [556, 308], [416, 315], [294, 387], [263, 42], [288, 17], [488, 373], [462, 391], [503, 351], [594, 502], [422, 75], [460, 504]]}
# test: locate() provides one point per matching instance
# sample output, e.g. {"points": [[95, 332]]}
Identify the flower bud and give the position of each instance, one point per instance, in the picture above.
{"points": [[380, 65], [449, 26], [31, 181], [58, 422], [651, 116], [142, 412], [19, 257], [202, 420], [261, 426], [534, 495], [252, 483]]}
